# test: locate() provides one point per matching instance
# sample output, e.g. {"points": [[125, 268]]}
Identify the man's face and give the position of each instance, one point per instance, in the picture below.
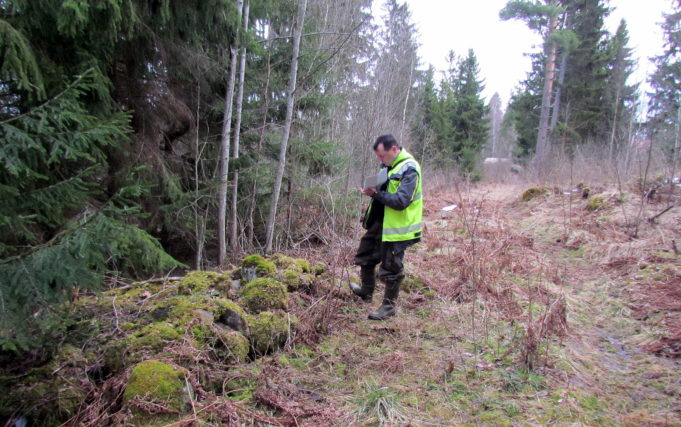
{"points": [[386, 156]]}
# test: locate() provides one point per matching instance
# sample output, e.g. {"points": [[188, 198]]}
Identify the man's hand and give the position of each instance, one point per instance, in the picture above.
{"points": [[368, 191]]}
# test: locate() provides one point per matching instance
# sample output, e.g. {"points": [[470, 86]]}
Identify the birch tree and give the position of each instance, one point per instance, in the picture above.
{"points": [[293, 74], [233, 237], [224, 152]]}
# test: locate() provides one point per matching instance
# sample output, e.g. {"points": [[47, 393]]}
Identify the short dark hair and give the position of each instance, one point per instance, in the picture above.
{"points": [[388, 142]]}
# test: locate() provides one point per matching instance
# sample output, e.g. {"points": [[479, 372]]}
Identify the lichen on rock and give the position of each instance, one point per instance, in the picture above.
{"points": [[265, 294]]}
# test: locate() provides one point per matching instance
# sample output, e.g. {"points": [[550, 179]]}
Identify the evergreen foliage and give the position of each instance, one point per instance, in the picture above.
{"points": [[594, 102], [664, 110], [459, 115], [69, 211]]}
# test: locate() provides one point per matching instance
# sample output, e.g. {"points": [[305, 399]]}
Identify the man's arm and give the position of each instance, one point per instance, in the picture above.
{"points": [[403, 198]]}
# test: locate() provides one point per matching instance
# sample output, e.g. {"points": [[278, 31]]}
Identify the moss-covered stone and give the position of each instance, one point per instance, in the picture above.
{"points": [[161, 383], [155, 335], [270, 331], [230, 314], [533, 192], [284, 262], [265, 294], [231, 346], [303, 264], [263, 267], [412, 283], [201, 281], [595, 203], [318, 269], [292, 279]]}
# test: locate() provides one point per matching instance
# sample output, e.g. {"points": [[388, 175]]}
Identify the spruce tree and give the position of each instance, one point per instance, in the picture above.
{"points": [[63, 226], [664, 109]]}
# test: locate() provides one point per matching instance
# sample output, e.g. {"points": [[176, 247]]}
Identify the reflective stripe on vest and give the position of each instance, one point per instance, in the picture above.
{"points": [[401, 230], [406, 224]]}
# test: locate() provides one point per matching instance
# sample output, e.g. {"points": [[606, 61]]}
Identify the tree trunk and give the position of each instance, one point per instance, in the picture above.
{"points": [[224, 155], [543, 143], [406, 101], [561, 79], [614, 126], [233, 235], [293, 74], [199, 226]]}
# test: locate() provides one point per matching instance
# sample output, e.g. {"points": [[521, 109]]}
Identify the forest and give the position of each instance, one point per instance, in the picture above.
{"points": [[154, 154]]}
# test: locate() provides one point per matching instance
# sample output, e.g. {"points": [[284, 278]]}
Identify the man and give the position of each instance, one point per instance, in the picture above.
{"points": [[393, 223]]}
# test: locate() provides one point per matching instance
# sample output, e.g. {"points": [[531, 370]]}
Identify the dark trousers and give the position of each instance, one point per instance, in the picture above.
{"points": [[372, 252]]}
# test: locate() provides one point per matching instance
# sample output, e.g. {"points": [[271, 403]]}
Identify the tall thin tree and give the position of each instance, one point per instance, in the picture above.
{"points": [[233, 235], [290, 98], [224, 152]]}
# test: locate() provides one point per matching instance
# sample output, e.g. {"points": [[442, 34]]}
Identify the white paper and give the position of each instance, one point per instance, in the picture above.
{"points": [[376, 180]]}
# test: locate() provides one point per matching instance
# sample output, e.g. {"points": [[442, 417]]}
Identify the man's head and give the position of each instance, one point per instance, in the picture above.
{"points": [[386, 149]]}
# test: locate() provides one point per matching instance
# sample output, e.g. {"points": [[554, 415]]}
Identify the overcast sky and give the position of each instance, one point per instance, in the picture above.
{"points": [[500, 46]]}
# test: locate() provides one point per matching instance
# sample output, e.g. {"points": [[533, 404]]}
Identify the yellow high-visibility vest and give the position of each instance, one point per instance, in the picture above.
{"points": [[406, 224]]}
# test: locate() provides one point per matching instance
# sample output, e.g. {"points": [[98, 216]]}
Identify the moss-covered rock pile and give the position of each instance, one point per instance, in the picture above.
{"points": [[153, 336]]}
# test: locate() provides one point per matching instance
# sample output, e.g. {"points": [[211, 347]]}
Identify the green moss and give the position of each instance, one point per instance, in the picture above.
{"points": [[265, 294], [240, 384], [533, 192], [303, 264], [595, 203], [292, 279], [263, 267], [318, 269], [201, 281], [231, 346], [158, 381], [269, 331], [231, 314], [155, 336], [494, 417], [412, 283], [182, 310], [283, 262]]}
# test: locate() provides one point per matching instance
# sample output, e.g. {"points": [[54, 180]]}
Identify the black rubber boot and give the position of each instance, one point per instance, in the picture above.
{"points": [[366, 291], [387, 308]]}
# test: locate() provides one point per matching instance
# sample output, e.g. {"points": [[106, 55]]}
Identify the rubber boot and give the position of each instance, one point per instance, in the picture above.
{"points": [[366, 291], [387, 308]]}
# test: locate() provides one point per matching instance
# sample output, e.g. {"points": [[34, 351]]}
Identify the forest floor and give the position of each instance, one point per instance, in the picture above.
{"points": [[544, 312], [521, 306]]}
